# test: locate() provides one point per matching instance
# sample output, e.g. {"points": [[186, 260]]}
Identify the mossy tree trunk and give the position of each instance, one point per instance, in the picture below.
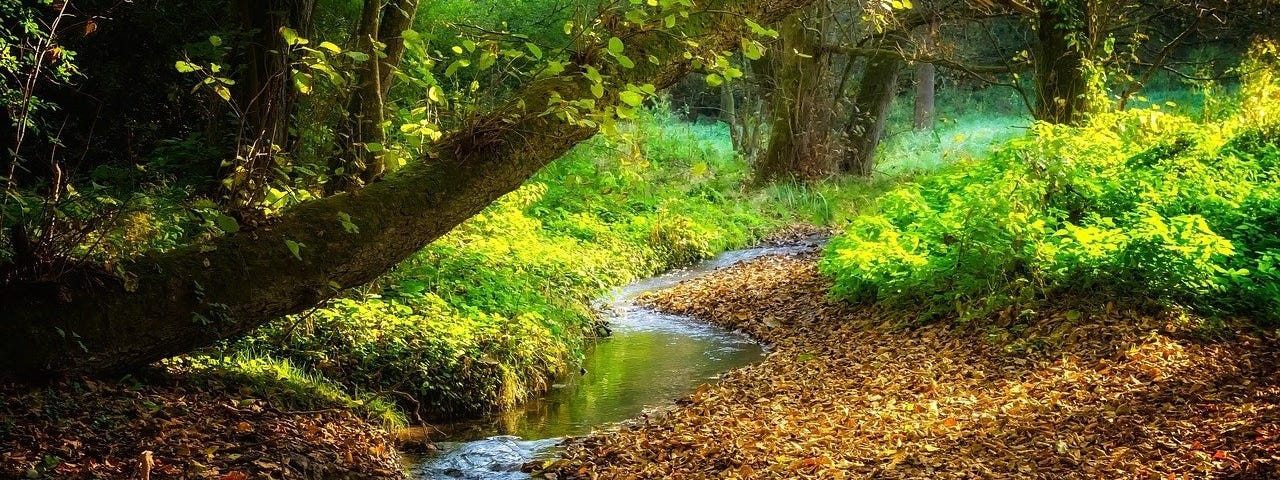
{"points": [[870, 113], [800, 139], [1064, 34], [169, 303]]}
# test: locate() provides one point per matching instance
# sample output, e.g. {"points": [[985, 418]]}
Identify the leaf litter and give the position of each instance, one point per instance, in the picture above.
{"points": [[1085, 389], [167, 427]]}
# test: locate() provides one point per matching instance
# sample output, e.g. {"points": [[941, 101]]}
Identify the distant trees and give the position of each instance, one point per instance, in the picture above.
{"points": [[1084, 55]]}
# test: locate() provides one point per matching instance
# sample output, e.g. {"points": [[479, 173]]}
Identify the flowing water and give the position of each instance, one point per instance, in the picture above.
{"points": [[651, 359]]}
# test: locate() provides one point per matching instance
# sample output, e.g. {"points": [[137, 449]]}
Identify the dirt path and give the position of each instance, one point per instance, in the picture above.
{"points": [[1090, 390]]}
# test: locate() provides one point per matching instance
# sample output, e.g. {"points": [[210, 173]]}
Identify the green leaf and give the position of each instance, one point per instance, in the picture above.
{"points": [[226, 223], [700, 169], [615, 45], [373, 147], [752, 49], [487, 59], [597, 89], [453, 67], [215, 40], [534, 49], [631, 98], [291, 36], [714, 80], [185, 67], [347, 224], [295, 248], [357, 56], [330, 46], [625, 61], [554, 68], [223, 92], [593, 75]]}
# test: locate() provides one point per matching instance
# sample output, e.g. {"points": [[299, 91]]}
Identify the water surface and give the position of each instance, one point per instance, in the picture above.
{"points": [[651, 359]]}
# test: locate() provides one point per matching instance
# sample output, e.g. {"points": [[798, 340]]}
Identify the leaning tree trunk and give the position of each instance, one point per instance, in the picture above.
{"points": [[1061, 86], [870, 112], [800, 136], [172, 302]]}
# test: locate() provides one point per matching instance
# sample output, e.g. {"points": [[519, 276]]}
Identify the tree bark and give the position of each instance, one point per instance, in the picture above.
{"points": [[267, 99], [169, 303], [870, 113], [926, 81], [800, 137], [379, 35], [1061, 87]]}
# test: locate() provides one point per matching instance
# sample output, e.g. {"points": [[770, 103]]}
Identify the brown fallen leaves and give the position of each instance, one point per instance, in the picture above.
{"points": [[94, 429], [1105, 392]]}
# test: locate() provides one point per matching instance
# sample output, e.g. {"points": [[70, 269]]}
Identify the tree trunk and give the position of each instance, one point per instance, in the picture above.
{"points": [[169, 303], [800, 137], [1061, 87], [926, 80], [729, 115], [396, 18], [266, 99], [379, 35], [870, 113]]}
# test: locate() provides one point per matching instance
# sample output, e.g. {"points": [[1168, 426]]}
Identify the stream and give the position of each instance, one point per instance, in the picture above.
{"points": [[649, 360]]}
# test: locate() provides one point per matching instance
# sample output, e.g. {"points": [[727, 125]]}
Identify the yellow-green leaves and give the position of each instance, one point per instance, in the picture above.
{"points": [[330, 46], [534, 49], [291, 37]]}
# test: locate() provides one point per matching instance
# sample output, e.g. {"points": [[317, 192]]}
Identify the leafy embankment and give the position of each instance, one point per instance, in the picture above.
{"points": [[1087, 389], [183, 428]]}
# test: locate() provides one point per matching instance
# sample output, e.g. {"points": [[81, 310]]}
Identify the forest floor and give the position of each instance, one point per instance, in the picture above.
{"points": [[1087, 389], [177, 427]]}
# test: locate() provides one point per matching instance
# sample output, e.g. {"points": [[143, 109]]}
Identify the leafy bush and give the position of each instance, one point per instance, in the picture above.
{"points": [[1140, 203]]}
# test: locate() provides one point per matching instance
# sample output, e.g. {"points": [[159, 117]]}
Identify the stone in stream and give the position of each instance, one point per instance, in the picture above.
{"points": [[497, 457]]}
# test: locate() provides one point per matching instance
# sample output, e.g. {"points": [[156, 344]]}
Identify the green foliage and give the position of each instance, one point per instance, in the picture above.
{"points": [[1138, 203], [491, 313]]}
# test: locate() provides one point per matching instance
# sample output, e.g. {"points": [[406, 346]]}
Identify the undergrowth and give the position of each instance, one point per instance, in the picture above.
{"points": [[1143, 203]]}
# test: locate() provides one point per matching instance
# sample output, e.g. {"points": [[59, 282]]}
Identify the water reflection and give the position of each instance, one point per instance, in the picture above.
{"points": [[651, 359]]}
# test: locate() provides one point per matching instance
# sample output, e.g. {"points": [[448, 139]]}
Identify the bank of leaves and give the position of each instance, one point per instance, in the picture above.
{"points": [[1114, 390], [1140, 203]]}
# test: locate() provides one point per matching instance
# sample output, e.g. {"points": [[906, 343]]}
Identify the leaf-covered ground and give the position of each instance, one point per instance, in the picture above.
{"points": [[1090, 389], [93, 429]]}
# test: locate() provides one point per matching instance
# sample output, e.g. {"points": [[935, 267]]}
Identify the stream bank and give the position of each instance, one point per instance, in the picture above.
{"points": [[650, 359], [1088, 388]]}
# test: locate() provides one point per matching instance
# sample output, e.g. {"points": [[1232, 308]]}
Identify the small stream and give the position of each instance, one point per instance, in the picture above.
{"points": [[651, 359]]}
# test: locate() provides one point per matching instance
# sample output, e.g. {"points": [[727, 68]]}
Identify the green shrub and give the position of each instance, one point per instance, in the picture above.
{"points": [[1139, 203]]}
